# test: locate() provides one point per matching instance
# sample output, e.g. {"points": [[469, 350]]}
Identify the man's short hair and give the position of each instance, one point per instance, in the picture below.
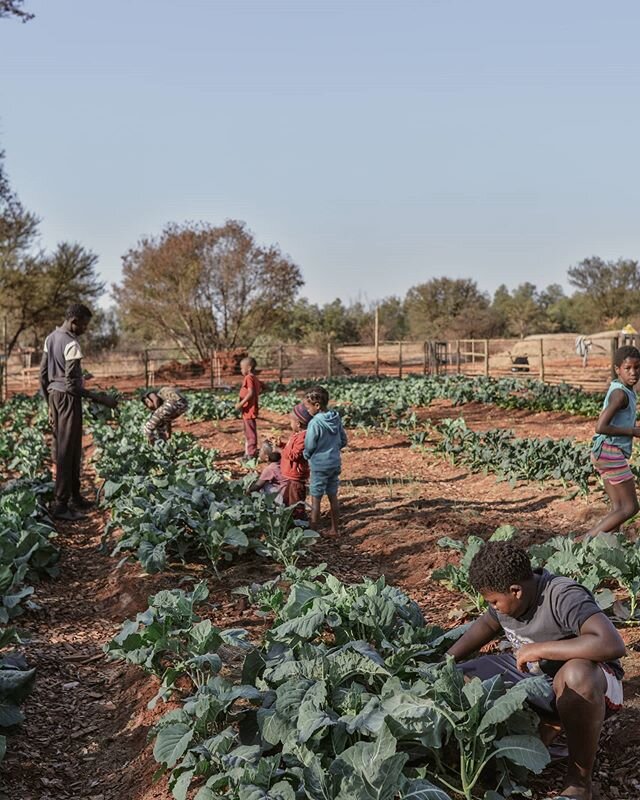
{"points": [[78, 311], [499, 565], [319, 395]]}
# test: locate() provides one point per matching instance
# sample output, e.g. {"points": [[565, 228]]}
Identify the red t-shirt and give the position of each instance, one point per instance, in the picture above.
{"points": [[293, 464], [250, 409]]}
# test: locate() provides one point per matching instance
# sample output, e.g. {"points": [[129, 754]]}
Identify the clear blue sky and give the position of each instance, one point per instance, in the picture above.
{"points": [[379, 143]]}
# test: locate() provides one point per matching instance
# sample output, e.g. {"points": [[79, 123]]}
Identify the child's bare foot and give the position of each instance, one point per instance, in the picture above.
{"points": [[575, 791], [332, 533]]}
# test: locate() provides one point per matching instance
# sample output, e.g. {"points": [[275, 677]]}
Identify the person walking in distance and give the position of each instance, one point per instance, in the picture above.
{"points": [[62, 385]]}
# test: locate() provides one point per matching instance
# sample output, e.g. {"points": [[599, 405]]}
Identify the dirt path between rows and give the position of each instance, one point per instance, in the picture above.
{"points": [[85, 734]]}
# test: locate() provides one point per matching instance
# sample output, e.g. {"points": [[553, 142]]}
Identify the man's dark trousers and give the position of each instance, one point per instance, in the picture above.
{"points": [[66, 412]]}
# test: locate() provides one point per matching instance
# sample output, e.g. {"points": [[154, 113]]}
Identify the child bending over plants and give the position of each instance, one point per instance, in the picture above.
{"points": [[555, 628], [611, 446], [166, 404]]}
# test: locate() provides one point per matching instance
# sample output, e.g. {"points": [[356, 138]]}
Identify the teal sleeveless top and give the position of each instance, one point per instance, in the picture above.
{"points": [[623, 418]]}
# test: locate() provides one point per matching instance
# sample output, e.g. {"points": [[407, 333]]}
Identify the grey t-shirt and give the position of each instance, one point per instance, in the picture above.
{"points": [[560, 609], [61, 369]]}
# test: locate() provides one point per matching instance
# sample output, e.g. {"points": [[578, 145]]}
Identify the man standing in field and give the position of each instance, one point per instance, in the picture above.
{"points": [[62, 385]]}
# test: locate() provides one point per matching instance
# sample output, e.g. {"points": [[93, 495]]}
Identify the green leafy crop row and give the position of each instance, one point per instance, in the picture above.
{"points": [[27, 549], [512, 458], [389, 402], [347, 698], [169, 503], [602, 563]]}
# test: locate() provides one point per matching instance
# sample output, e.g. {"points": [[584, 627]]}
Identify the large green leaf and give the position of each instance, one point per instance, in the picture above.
{"points": [[304, 627], [172, 742], [422, 790], [527, 751]]}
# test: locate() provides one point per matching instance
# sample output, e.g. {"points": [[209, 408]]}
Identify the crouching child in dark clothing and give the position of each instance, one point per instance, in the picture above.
{"points": [[166, 404], [556, 628]]}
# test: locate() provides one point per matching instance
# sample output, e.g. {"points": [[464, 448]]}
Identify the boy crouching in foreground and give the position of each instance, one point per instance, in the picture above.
{"points": [[555, 627]]}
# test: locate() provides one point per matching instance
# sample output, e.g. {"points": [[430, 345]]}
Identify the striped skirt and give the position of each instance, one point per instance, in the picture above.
{"points": [[612, 464]]}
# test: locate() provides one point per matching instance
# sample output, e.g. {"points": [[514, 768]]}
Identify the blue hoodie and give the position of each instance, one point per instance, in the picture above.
{"points": [[323, 441]]}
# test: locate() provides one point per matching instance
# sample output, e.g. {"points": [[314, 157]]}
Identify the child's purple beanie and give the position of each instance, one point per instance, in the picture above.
{"points": [[300, 411]]}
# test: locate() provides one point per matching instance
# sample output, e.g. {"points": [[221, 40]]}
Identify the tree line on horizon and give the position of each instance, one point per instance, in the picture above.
{"points": [[198, 286]]}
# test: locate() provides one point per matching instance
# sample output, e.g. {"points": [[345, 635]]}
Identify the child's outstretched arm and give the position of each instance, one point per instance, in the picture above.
{"points": [[598, 641], [480, 633], [617, 401]]}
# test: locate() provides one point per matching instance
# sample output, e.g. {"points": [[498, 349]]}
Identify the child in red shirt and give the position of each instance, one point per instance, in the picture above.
{"points": [[248, 405], [293, 465]]}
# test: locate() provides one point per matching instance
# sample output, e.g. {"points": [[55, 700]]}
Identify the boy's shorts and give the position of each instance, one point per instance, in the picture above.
{"points": [[487, 666], [324, 481], [611, 463]]}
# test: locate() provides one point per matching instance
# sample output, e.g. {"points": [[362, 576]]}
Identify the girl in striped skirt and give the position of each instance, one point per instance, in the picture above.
{"points": [[611, 446]]}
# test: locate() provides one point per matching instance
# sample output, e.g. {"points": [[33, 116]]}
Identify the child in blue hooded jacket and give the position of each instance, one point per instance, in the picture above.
{"points": [[323, 442]]}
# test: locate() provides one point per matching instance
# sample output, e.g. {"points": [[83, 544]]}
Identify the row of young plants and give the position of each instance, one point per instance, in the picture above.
{"points": [[27, 544], [509, 457], [23, 450], [169, 503], [390, 402], [348, 697], [607, 564], [416, 391]]}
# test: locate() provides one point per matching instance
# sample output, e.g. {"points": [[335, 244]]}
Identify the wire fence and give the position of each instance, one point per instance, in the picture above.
{"points": [[552, 359]]}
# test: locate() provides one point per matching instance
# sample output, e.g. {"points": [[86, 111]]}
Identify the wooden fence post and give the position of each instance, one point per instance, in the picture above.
{"points": [[329, 360], [280, 363], [146, 368], [486, 357], [614, 347], [376, 341], [399, 359], [211, 368], [541, 341], [425, 356], [457, 356], [4, 388]]}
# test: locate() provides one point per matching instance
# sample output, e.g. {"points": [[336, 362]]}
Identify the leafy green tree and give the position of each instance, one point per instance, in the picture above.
{"points": [[36, 290], [612, 287], [520, 312], [104, 331], [333, 322], [36, 287], [447, 306], [13, 8], [392, 319], [202, 286]]}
